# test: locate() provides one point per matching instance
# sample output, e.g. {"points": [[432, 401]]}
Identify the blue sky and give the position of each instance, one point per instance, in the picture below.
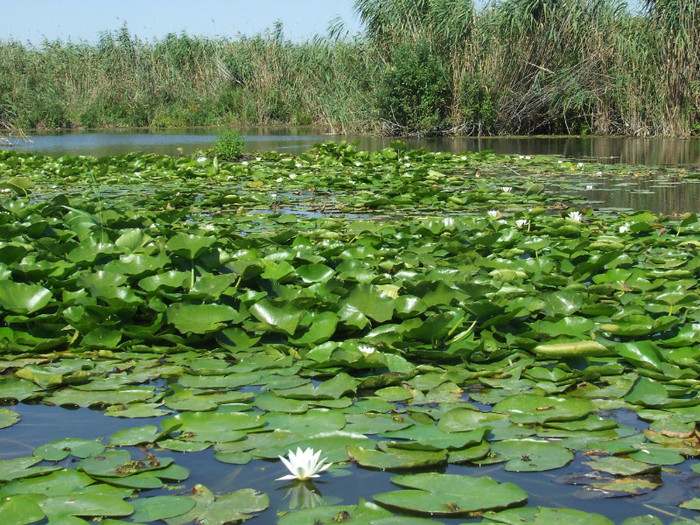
{"points": [[34, 20]]}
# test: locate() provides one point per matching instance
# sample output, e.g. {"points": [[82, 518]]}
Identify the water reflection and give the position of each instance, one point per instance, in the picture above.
{"points": [[611, 150], [303, 495]]}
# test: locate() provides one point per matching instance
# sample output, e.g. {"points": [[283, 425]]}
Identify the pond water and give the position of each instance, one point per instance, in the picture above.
{"points": [[667, 192]]}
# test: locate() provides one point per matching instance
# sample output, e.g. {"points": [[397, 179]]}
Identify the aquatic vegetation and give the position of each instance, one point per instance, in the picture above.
{"points": [[392, 324]]}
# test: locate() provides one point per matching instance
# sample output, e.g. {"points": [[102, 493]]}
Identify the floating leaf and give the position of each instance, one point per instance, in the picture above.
{"points": [[450, 494]]}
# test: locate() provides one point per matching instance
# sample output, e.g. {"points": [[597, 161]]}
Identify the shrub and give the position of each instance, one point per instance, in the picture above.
{"points": [[477, 105], [414, 91], [229, 144]]}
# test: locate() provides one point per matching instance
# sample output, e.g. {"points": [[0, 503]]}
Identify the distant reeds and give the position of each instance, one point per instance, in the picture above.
{"points": [[512, 67]]}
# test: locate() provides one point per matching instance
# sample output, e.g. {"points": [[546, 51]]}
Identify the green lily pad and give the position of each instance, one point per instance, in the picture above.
{"points": [[23, 298], [450, 494], [528, 455], [396, 458], [200, 318], [20, 510], [531, 408], [364, 512], [155, 508], [59, 449], [546, 516], [621, 466], [221, 509], [8, 417]]}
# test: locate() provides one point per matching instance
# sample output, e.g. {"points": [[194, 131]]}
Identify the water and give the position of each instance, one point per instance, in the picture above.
{"points": [[609, 150]]}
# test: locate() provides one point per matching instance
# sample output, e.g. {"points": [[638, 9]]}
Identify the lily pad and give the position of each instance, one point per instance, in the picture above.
{"points": [[450, 494]]}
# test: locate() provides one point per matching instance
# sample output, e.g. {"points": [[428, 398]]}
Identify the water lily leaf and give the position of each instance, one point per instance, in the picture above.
{"points": [[23, 298], [627, 486], [23, 468], [321, 329], [531, 408], [641, 353], [135, 436], [86, 398], [189, 246], [333, 388], [220, 510], [364, 512], [622, 466], [119, 464], [450, 494], [371, 301], [284, 317], [655, 456], [136, 410], [16, 388], [156, 508], [102, 337], [169, 281], [464, 419], [527, 455], [435, 437], [315, 273], [8, 417], [20, 510], [58, 482], [396, 458], [87, 505], [59, 449], [647, 392], [546, 516], [213, 426], [200, 318], [692, 504]]}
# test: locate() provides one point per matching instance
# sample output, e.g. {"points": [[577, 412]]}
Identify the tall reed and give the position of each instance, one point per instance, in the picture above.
{"points": [[512, 67]]}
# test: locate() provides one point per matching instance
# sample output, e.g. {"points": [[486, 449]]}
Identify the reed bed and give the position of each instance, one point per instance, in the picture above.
{"points": [[512, 67]]}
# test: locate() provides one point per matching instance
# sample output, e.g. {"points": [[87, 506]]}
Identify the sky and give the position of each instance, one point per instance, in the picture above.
{"points": [[32, 21], [83, 20]]}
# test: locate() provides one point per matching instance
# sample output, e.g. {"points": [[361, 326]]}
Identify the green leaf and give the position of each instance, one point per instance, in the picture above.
{"points": [[23, 298], [396, 458], [200, 318], [451, 494], [156, 508], [20, 510]]}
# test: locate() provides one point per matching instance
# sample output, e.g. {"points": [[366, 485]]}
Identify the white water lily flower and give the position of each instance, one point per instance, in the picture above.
{"points": [[358, 164], [576, 216], [527, 157], [493, 213], [366, 349], [303, 465], [408, 165], [624, 228], [506, 189], [244, 163], [589, 187], [580, 165], [298, 164], [521, 223], [293, 176], [258, 159]]}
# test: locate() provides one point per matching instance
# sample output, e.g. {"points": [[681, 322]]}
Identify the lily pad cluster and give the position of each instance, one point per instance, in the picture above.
{"points": [[362, 304]]}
